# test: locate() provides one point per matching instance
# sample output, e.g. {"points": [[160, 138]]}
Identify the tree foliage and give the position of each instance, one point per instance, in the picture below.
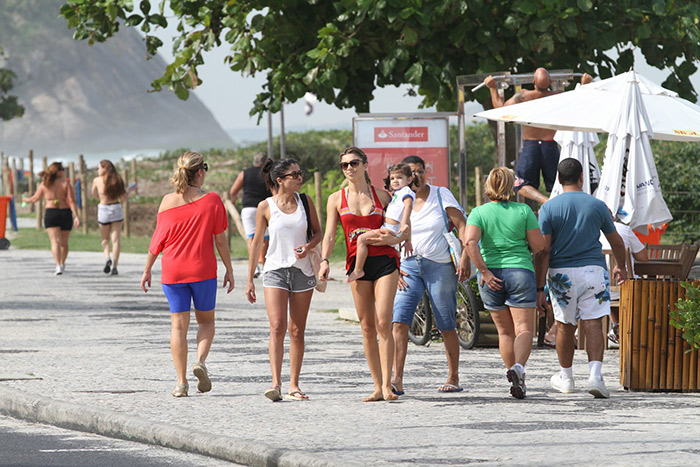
{"points": [[342, 49], [9, 106]]}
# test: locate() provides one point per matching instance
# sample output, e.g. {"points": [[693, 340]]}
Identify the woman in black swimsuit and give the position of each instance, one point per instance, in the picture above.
{"points": [[61, 211]]}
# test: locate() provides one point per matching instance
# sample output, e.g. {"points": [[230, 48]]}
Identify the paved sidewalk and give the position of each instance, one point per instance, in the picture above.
{"points": [[91, 352]]}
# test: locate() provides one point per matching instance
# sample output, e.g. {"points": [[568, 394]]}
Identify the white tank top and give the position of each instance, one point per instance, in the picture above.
{"points": [[287, 231]]}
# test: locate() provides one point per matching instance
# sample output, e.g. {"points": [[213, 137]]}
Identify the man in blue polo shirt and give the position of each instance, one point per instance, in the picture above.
{"points": [[573, 265]]}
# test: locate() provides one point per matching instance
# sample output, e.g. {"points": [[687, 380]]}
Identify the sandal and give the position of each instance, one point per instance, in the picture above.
{"points": [[297, 396], [274, 394]]}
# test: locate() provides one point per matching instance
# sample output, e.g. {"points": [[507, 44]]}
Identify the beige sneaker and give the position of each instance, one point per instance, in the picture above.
{"points": [[200, 371], [181, 390]]}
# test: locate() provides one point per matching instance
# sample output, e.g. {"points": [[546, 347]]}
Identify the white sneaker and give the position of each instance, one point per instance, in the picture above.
{"points": [[563, 385], [63, 268], [597, 388], [58, 271]]}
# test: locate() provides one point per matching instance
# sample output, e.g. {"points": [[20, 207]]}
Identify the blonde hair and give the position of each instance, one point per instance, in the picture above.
{"points": [[499, 184], [187, 166]]}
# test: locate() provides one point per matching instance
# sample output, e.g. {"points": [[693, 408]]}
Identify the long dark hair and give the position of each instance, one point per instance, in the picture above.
{"points": [[114, 184], [272, 170]]}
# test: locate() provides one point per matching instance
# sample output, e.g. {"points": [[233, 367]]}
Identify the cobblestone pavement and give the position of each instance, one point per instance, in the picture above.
{"points": [[85, 341]]}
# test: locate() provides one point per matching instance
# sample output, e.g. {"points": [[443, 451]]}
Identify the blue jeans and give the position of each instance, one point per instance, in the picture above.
{"points": [[440, 280], [519, 289]]}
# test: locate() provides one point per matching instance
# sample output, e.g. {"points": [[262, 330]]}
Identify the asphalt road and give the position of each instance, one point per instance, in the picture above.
{"points": [[28, 444]]}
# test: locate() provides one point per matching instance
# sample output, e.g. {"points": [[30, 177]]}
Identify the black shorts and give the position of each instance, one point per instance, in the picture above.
{"points": [[62, 218], [376, 267]]}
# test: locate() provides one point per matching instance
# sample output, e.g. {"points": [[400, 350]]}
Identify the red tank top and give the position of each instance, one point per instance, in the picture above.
{"points": [[354, 226]]}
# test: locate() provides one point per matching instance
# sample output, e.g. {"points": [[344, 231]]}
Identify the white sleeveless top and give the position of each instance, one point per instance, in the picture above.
{"points": [[287, 231]]}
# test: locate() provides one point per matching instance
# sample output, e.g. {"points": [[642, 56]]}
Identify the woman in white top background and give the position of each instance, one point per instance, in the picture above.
{"points": [[288, 280]]}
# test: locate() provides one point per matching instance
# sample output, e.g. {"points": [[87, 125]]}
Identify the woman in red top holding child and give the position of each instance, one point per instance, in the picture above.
{"points": [[190, 222], [360, 209]]}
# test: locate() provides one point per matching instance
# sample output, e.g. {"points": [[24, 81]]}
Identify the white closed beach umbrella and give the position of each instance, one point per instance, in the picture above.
{"points": [[637, 199], [579, 145]]}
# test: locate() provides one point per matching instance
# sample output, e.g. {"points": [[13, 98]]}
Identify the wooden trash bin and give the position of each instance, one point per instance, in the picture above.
{"points": [[652, 352]]}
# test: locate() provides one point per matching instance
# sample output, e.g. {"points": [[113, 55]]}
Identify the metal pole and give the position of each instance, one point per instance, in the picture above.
{"points": [[270, 149], [283, 149]]}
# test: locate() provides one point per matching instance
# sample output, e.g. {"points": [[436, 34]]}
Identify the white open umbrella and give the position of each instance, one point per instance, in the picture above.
{"points": [[637, 201], [588, 108], [579, 145]]}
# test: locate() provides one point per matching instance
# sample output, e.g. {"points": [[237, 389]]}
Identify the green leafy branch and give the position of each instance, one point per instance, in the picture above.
{"points": [[686, 316]]}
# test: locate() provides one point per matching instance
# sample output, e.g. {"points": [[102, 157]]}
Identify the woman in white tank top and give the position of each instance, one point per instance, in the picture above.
{"points": [[288, 279]]}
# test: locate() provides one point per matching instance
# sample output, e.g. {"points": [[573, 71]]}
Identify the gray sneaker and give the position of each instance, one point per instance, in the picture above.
{"points": [[181, 390], [517, 379], [597, 388], [114, 272], [200, 371]]}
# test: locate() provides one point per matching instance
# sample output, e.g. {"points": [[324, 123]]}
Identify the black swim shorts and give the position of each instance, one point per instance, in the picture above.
{"points": [[62, 218], [376, 267]]}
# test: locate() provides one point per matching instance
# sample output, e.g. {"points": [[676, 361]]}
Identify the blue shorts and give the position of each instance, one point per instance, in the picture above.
{"points": [[519, 289], [536, 156], [440, 280], [181, 296]]}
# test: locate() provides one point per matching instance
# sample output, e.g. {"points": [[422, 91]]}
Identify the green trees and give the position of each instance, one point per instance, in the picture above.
{"points": [[342, 49], [9, 107]]}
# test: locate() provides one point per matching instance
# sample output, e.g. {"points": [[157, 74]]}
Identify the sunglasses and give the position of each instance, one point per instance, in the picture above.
{"points": [[353, 163], [298, 173], [418, 172], [205, 167]]}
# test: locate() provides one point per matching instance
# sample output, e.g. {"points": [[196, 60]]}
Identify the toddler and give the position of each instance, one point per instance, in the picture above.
{"points": [[396, 218]]}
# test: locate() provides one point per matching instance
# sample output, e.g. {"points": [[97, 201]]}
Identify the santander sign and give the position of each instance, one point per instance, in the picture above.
{"points": [[396, 134]]}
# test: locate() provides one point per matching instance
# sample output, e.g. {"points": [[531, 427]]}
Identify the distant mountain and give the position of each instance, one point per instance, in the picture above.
{"points": [[82, 99]]}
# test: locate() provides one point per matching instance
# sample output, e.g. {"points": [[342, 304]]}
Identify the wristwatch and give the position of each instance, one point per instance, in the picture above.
{"points": [[326, 260]]}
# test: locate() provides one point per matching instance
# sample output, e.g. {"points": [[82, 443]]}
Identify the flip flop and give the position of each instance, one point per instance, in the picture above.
{"points": [[550, 344], [297, 396], [450, 388], [274, 394], [396, 391]]}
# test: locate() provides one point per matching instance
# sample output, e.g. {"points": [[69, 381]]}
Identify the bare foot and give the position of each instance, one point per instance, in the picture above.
{"points": [[355, 275], [390, 396], [374, 397]]}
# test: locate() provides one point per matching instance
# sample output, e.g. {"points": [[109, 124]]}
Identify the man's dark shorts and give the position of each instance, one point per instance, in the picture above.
{"points": [[536, 156]]}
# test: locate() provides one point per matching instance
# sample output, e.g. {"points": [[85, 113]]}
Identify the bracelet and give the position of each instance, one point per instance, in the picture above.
{"points": [[540, 289], [326, 260]]}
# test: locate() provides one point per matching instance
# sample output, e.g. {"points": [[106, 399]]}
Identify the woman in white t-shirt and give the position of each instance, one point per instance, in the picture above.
{"points": [[430, 269], [288, 279], [396, 218]]}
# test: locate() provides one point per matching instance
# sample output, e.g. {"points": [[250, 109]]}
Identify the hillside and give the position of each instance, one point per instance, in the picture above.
{"points": [[91, 99]]}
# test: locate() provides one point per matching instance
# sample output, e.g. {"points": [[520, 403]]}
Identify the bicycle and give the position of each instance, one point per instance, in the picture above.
{"points": [[422, 330]]}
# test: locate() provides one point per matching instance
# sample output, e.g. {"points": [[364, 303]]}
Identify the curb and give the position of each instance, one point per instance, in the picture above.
{"points": [[33, 408]]}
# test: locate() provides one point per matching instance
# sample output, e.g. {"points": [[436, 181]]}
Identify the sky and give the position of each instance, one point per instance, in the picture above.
{"points": [[229, 96]]}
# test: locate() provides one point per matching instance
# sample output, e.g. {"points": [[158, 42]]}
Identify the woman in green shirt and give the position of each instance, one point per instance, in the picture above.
{"points": [[509, 233]]}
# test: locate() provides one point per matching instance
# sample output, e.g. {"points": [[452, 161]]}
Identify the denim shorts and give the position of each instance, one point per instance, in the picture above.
{"points": [[440, 280], [519, 289], [290, 279], [537, 156], [181, 296]]}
